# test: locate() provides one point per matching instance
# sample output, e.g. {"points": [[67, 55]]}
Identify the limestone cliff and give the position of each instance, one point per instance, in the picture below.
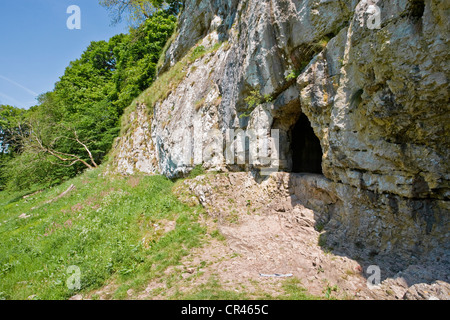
{"points": [[369, 79]]}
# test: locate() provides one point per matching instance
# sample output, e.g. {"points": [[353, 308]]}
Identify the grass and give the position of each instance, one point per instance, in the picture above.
{"points": [[169, 80], [293, 74], [252, 100], [294, 291], [328, 291], [322, 242], [106, 227], [166, 47], [163, 85], [211, 290], [113, 229], [200, 103], [291, 289], [197, 53], [198, 170], [322, 43], [315, 49], [319, 226]]}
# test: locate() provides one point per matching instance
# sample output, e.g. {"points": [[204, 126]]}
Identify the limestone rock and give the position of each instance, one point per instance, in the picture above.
{"points": [[439, 290], [370, 76], [134, 150]]}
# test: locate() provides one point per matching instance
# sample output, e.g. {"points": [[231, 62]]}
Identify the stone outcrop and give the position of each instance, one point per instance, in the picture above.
{"points": [[371, 78], [134, 151], [284, 223]]}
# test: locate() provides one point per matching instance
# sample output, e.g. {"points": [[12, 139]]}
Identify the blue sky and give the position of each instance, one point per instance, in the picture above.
{"points": [[36, 46]]}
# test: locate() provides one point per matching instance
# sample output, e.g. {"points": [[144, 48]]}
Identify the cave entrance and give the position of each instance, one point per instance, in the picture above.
{"points": [[305, 148]]}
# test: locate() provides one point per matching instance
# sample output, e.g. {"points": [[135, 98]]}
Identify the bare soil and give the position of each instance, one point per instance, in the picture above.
{"points": [[266, 238]]}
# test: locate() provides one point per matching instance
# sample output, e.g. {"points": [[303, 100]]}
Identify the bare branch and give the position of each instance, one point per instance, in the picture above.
{"points": [[71, 187], [86, 148], [59, 155]]}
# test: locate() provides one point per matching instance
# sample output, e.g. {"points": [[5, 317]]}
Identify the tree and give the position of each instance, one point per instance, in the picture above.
{"points": [[48, 154], [138, 11], [73, 127], [11, 128], [138, 56], [38, 143]]}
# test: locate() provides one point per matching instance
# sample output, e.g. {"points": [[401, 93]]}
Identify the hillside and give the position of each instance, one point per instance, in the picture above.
{"points": [[285, 149], [214, 236], [126, 238], [354, 92]]}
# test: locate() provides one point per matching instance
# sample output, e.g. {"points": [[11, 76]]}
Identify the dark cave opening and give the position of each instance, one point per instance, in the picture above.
{"points": [[417, 8], [305, 147]]}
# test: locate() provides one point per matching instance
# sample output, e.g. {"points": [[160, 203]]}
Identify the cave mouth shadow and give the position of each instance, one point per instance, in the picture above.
{"points": [[305, 147], [413, 266], [301, 155]]}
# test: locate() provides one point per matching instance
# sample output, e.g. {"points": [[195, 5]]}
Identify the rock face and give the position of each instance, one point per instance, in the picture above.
{"points": [[134, 150], [371, 78], [280, 223]]}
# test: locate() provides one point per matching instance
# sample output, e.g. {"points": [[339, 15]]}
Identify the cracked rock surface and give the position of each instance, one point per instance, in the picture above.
{"points": [[376, 98]]}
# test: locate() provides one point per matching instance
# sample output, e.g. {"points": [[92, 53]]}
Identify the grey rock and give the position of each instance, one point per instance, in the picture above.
{"points": [[377, 100], [438, 290]]}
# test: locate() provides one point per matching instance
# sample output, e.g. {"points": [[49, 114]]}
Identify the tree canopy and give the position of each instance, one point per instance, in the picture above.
{"points": [[137, 11], [11, 124], [73, 126]]}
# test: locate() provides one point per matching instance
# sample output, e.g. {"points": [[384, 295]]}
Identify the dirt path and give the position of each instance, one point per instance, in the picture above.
{"points": [[266, 235], [266, 232]]}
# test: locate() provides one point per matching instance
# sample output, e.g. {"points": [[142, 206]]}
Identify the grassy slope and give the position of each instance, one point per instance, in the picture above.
{"points": [[106, 227], [112, 228]]}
